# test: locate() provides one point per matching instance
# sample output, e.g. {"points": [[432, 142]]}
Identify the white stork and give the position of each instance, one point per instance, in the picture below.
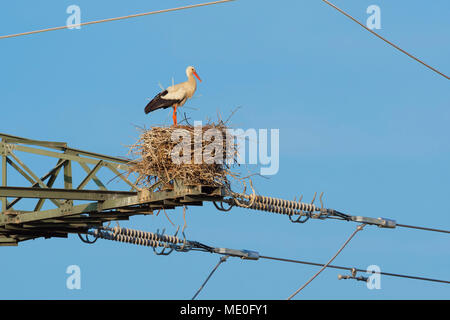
{"points": [[176, 95]]}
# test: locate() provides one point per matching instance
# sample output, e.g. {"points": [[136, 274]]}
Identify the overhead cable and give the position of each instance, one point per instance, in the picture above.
{"points": [[114, 19], [359, 228], [387, 41]]}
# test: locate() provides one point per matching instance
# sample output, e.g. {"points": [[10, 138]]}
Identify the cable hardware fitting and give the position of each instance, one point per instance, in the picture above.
{"points": [[380, 222], [303, 211], [352, 276], [243, 254]]}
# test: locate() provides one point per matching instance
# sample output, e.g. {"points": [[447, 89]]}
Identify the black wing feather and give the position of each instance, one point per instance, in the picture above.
{"points": [[159, 103]]}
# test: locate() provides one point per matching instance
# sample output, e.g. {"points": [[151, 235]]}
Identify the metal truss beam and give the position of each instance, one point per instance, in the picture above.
{"points": [[66, 194], [103, 205]]}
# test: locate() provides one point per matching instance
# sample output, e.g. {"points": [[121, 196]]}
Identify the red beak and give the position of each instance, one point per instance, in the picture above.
{"points": [[195, 74]]}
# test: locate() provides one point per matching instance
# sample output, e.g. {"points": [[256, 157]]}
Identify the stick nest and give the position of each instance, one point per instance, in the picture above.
{"points": [[156, 146]]}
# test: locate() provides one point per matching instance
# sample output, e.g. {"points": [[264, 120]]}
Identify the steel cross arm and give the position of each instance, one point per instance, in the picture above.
{"points": [[90, 175], [98, 156], [67, 156], [47, 144], [120, 175], [50, 183], [95, 207], [152, 200], [94, 177], [66, 194], [103, 163], [59, 146], [4, 181], [34, 180], [52, 174]]}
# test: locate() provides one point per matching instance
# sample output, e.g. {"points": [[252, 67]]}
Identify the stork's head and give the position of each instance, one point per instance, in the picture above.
{"points": [[191, 71]]}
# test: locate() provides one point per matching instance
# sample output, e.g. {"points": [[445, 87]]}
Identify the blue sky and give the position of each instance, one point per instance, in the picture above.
{"points": [[358, 120]]}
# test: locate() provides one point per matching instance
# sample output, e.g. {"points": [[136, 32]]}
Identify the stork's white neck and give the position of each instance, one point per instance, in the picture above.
{"points": [[190, 77], [192, 84]]}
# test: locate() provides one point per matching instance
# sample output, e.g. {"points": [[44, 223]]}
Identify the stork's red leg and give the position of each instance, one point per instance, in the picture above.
{"points": [[174, 117]]}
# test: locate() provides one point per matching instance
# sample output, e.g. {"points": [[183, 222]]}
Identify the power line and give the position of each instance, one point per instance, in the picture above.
{"points": [[385, 40], [155, 240], [222, 260], [115, 19], [308, 210], [359, 228], [422, 228], [357, 269]]}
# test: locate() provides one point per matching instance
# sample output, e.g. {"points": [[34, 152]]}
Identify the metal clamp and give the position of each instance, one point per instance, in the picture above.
{"points": [[243, 254], [380, 222], [352, 276]]}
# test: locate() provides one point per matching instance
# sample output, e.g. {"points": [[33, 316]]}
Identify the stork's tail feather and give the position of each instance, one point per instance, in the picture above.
{"points": [[150, 107], [159, 103]]}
